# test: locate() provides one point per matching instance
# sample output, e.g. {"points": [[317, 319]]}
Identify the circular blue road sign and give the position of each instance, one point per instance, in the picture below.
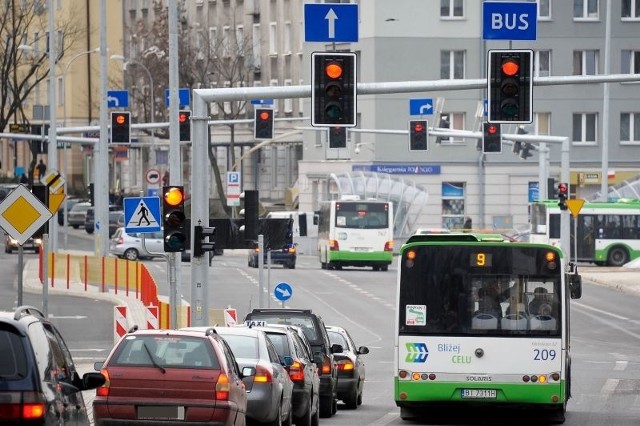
{"points": [[283, 292]]}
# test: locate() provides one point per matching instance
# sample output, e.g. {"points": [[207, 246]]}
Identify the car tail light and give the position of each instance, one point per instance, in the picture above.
{"points": [[326, 365], [296, 371], [345, 365], [388, 246], [292, 250], [333, 245], [222, 387], [22, 406], [104, 389], [263, 375], [257, 250], [120, 240]]}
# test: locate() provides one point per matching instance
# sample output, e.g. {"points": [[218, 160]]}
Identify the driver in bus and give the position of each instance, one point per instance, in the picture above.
{"points": [[540, 298]]}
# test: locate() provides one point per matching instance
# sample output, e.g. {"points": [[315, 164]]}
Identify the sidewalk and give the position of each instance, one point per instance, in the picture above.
{"points": [[624, 279]]}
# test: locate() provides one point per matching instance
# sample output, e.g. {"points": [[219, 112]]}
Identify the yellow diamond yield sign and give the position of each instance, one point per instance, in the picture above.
{"points": [[575, 206], [21, 214], [55, 201]]}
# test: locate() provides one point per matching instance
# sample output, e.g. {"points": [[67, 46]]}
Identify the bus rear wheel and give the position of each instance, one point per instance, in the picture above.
{"points": [[618, 256]]}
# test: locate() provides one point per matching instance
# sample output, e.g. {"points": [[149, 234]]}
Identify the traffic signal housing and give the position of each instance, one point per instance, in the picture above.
{"points": [[418, 135], [92, 194], [491, 138], [337, 137], [333, 96], [184, 121], [510, 86], [201, 244], [174, 219], [263, 124], [563, 195], [121, 127]]}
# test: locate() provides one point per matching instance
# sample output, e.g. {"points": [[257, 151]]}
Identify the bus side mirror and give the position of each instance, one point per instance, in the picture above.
{"points": [[575, 285], [316, 219]]}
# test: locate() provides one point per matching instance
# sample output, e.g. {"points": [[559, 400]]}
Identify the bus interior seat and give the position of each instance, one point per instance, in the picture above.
{"points": [[542, 322], [514, 322], [483, 321]]}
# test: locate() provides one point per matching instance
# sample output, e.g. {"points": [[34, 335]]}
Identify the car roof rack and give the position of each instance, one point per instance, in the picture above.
{"points": [[27, 310], [304, 311]]}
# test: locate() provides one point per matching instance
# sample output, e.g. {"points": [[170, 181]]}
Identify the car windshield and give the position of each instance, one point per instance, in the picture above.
{"points": [[281, 343], [166, 351]]}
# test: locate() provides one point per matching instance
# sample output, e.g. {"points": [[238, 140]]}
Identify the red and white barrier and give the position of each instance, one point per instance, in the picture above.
{"points": [[121, 324], [230, 317], [151, 314]]}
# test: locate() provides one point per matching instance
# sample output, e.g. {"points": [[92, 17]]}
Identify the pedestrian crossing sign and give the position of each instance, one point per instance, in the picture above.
{"points": [[142, 214]]}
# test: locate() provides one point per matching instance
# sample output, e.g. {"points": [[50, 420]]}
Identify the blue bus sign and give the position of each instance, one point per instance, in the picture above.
{"points": [[509, 20]]}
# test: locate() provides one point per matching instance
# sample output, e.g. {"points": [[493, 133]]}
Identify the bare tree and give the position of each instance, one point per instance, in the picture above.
{"points": [[21, 70], [205, 61]]}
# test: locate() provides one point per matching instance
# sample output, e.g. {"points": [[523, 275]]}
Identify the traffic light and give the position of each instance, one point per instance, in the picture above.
{"points": [[337, 137], [526, 151], [200, 243], [184, 119], [121, 127], [333, 97], [418, 137], [510, 86], [563, 195], [174, 219], [251, 213], [491, 138], [263, 124]]}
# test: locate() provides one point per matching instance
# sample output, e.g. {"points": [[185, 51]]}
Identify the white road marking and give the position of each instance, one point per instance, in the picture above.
{"points": [[600, 311], [386, 419]]}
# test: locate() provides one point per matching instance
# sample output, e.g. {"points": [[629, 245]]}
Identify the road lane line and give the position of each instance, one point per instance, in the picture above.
{"points": [[610, 324], [386, 419], [621, 365], [600, 311]]}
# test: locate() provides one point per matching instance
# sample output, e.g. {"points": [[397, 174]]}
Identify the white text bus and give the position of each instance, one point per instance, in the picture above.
{"points": [[355, 233], [608, 233], [482, 321]]}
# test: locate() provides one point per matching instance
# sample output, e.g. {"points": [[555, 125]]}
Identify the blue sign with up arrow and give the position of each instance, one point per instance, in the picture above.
{"points": [[331, 22]]}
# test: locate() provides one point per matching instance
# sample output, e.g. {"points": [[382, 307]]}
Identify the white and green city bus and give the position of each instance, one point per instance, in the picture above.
{"points": [[482, 321], [608, 233], [355, 233]]}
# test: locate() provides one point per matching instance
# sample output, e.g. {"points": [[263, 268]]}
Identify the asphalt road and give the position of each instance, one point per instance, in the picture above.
{"points": [[605, 335]]}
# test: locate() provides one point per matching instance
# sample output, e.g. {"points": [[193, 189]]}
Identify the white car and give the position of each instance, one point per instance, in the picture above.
{"points": [[77, 214], [129, 246]]}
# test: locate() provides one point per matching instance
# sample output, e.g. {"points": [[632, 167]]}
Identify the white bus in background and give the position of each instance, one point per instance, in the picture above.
{"points": [[305, 228], [354, 232]]}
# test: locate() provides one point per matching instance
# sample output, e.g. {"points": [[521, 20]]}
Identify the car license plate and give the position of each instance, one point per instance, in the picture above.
{"points": [[478, 393], [361, 249], [161, 412]]}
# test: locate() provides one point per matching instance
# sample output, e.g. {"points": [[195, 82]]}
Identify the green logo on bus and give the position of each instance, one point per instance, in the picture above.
{"points": [[417, 352]]}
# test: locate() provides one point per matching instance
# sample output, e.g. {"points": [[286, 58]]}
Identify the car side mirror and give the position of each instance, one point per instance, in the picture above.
{"points": [[287, 361], [248, 371], [575, 285], [336, 349], [363, 350], [92, 380]]}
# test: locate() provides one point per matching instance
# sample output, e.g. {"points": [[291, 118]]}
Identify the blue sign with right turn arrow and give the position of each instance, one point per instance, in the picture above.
{"points": [[283, 292]]}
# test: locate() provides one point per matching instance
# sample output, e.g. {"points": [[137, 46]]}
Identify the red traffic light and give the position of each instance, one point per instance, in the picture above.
{"points": [[120, 119], [264, 115], [183, 117], [418, 127], [492, 130], [333, 70], [563, 188], [510, 67]]}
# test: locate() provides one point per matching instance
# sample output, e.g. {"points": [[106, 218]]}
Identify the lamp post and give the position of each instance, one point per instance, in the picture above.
{"points": [[64, 124], [152, 156]]}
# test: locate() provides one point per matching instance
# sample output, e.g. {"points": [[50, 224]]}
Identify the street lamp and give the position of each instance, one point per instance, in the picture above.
{"points": [[64, 124]]}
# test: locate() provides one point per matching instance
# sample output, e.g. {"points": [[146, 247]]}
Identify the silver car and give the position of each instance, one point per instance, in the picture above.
{"points": [[129, 246], [77, 214], [270, 390]]}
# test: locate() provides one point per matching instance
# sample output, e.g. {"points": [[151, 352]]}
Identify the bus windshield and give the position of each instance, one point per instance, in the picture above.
{"points": [[362, 215], [480, 290]]}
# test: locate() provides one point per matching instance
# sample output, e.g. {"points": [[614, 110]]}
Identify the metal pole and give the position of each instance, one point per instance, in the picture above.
{"points": [[543, 172], [260, 270], [45, 275], [20, 272], [268, 278], [565, 239], [604, 180], [100, 153], [52, 151]]}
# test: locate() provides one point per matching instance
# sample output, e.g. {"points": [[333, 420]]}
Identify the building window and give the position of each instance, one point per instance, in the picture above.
{"points": [[213, 39], [60, 91], [452, 64], [301, 100], [542, 123], [273, 83], [585, 9], [226, 42], [585, 128], [542, 63], [630, 62], [240, 39], [585, 62], [544, 10], [257, 50], [453, 205], [273, 38], [288, 102], [630, 127], [451, 120], [286, 38], [451, 8], [227, 105], [630, 10]]}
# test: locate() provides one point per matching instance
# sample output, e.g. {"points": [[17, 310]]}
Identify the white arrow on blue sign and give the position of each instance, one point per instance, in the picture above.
{"points": [[331, 22], [184, 97], [282, 292], [509, 20], [117, 98], [421, 106]]}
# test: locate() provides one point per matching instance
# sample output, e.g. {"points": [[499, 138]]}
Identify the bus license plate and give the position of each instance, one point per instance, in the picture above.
{"points": [[478, 393]]}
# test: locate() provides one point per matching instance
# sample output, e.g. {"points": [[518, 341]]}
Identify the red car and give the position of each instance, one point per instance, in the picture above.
{"points": [[166, 377]]}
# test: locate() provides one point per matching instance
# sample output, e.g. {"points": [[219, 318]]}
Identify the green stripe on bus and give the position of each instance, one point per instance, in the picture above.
{"points": [[376, 256], [514, 393]]}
